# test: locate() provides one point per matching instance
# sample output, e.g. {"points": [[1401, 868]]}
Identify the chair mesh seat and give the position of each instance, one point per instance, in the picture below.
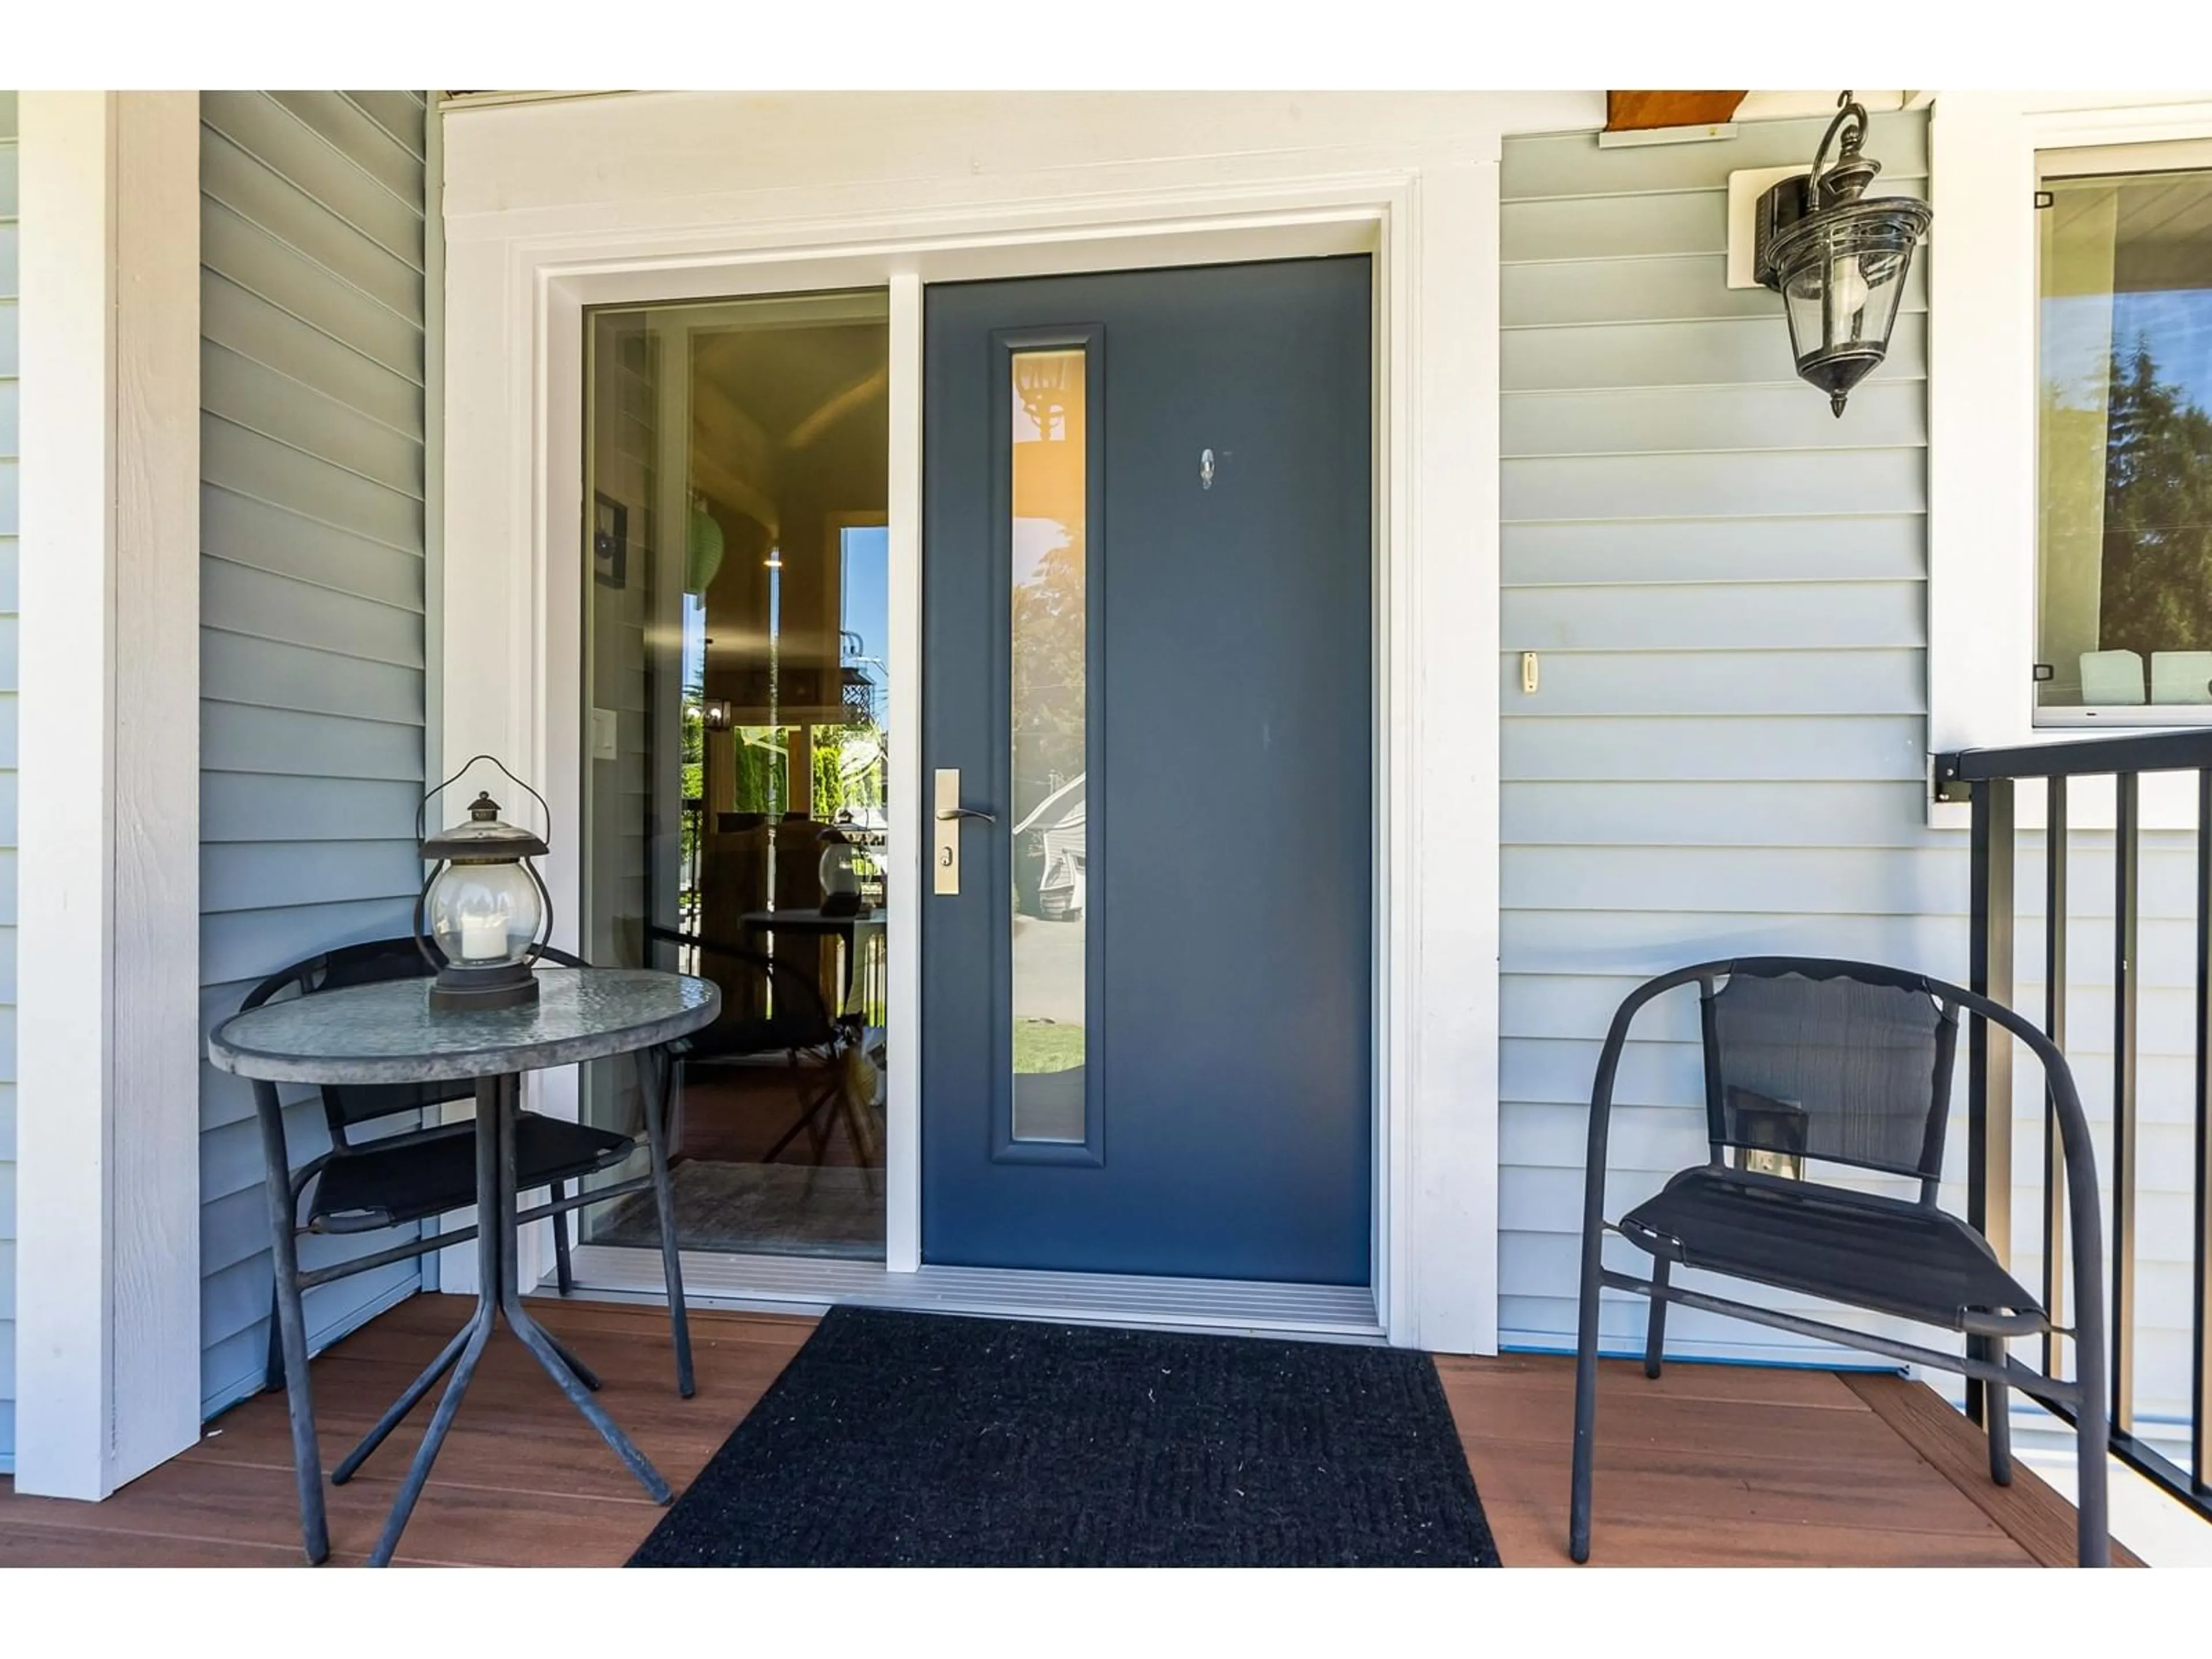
{"points": [[1873, 1252], [414, 1176]]}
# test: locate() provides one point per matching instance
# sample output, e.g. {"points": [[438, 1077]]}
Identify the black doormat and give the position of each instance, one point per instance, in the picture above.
{"points": [[902, 1439]]}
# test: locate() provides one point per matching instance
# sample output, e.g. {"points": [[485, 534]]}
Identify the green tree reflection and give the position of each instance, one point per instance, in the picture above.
{"points": [[2157, 589]]}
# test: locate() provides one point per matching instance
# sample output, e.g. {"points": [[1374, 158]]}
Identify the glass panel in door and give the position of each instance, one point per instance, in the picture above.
{"points": [[1050, 615], [735, 730]]}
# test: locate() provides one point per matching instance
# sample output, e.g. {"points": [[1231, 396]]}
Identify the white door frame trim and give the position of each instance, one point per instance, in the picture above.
{"points": [[519, 278], [108, 1032]]}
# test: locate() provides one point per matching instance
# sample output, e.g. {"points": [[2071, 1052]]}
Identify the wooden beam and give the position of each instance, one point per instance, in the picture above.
{"points": [[1639, 112]]}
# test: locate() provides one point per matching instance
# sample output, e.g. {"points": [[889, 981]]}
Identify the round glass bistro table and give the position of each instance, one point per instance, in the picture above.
{"points": [[387, 1033]]}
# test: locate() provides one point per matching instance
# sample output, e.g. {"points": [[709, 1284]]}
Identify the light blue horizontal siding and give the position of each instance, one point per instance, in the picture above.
{"points": [[10, 447], [1726, 756], [312, 604], [1727, 587]]}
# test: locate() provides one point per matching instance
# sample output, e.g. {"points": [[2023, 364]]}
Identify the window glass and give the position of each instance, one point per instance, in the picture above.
{"points": [[1051, 738], [2124, 610]]}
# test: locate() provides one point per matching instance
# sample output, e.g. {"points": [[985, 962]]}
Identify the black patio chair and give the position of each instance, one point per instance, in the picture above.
{"points": [[364, 1185], [797, 1032], [1812, 1060]]}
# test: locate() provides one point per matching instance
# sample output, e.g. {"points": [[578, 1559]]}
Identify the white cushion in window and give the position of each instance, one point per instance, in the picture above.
{"points": [[2181, 677], [2112, 677]]}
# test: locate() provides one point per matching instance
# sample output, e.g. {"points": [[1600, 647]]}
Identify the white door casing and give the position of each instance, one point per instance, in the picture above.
{"points": [[552, 207]]}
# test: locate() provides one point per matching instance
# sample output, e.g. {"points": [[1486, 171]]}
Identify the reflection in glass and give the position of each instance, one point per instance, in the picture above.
{"points": [[736, 628], [2125, 445], [1050, 623]]}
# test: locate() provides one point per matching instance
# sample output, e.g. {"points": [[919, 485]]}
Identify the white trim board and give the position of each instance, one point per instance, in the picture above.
{"points": [[1982, 404], [555, 207], [108, 1030], [802, 1285]]}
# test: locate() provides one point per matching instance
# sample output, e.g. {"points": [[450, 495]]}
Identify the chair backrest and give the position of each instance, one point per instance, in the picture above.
{"points": [[372, 963], [1805, 1059], [787, 1008]]}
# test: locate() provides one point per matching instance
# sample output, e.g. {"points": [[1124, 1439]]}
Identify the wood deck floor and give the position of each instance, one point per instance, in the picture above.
{"points": [[1710, 1465]]}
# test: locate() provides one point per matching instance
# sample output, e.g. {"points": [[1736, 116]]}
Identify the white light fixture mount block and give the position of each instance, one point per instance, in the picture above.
{"points": [[1745, 186]]}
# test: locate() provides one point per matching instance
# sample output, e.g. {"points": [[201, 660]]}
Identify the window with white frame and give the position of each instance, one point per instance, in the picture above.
{"points": [[2123, 482]]}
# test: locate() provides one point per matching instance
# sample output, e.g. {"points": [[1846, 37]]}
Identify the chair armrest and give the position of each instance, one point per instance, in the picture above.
{"points": [[1608, 1063], [2079, 1155]]}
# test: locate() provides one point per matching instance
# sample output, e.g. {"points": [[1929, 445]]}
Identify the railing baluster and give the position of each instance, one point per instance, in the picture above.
{"points": [[2200, 1303], [2054, 1027], [1987, 776], [2126, 893], [1989, 1053]]}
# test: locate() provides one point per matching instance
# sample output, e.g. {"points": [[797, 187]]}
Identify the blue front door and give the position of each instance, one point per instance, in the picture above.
{"points": [[1147, 982]]}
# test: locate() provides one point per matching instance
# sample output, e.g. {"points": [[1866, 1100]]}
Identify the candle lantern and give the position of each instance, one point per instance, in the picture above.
{"points": [[484, 915], [841, 869]]}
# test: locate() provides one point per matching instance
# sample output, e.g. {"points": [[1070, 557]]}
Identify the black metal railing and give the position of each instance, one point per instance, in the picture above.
{"points": [[1989, 778]]}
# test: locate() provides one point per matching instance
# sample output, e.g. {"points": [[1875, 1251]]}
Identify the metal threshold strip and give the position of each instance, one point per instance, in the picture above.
{"points": [[1342, 1312]]}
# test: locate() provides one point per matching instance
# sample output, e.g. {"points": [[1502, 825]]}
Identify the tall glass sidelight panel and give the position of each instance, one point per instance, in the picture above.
{"points": [[1050, 622], [736, 631], [2124, 613]]}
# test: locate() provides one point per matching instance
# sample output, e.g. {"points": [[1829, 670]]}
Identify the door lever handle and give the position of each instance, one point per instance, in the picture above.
{"points": [[945, 853]]}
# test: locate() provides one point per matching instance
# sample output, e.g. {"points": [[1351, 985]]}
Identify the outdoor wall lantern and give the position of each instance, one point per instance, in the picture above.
{"points": [[1838, 258], [484, 915]]}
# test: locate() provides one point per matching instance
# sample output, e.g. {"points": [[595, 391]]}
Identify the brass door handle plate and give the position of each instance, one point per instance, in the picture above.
{"points": [[945, 855]]}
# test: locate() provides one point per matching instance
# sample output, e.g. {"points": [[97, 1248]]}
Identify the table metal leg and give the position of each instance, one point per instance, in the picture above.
{"points": [[492, 1245], [538, 1343], [292, 1334], [659, 1076], [406, 1403], [498, 1291], [584, 1373]]}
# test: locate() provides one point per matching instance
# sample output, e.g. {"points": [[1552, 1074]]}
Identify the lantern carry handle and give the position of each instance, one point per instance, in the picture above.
{"points": [[422, 805], [537, 951]]}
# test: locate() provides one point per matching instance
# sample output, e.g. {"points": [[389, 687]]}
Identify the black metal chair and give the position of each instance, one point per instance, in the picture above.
{"points": [[1813, 1060], [366, 1186], [797, 1031]]}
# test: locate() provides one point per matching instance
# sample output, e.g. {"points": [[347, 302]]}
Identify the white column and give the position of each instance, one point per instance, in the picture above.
{"points": [[107, 1253], [1440, 738]]}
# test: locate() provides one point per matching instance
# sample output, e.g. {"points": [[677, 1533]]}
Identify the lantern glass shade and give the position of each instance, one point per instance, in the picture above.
{"points": [[484, 915], [841, 871], [1842, 273]]}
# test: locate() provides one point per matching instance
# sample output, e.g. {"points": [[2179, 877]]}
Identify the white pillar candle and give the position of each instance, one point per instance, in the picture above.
{"points": [[483, 938]]}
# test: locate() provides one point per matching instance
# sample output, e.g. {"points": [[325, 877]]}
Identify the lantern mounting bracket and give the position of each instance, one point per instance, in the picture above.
{"points": [[1786, 202]]}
